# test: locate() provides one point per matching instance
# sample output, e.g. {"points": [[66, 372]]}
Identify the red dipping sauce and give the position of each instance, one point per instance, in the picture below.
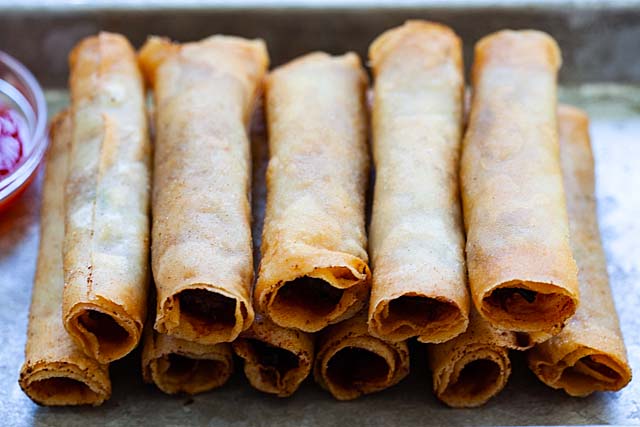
{"points": [[13, 134]]}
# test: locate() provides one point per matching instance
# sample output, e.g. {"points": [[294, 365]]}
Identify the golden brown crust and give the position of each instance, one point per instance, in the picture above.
{"points": [[473, 367], [350, 362], [314, 268], [416, 235], [276, 359], [589, 354], [56, 371], [201, 247], [521, 271], [534, 49], [107, 199], [178, 366]]}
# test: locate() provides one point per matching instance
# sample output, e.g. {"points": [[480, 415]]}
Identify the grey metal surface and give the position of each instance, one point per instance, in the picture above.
{"points": [[600, 39], [616, 137]]}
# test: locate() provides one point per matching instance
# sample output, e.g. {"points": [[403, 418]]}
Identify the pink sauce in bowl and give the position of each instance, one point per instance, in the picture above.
{"points": [[13, 133], [23, 119]]}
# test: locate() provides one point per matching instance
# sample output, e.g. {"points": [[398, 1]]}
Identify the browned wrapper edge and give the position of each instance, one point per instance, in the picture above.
{"points": [[86, 372]]}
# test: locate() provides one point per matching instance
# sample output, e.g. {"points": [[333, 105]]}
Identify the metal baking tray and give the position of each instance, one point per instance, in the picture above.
{"points": [[601, 73]]}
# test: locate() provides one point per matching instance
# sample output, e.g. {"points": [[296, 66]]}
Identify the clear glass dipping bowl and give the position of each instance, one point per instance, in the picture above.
{"points": [[20, 91]]}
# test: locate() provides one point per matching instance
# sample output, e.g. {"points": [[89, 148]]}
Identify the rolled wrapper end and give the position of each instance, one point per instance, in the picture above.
{"points": [[276, 359], [65, 383], [202, 269], [313, 270], [419, 280], [350, 362], [474, 375], [106, 200], [179, 366], [474, 367], [526, 306], [432, 320], [498, 47], [157, 50], [522, 273], [351, 59], [104, 40], [589, 354], [386, 42], [204, 313], [105, 336], [154, 52], [56, 371], [315, 296], [582, 371]]}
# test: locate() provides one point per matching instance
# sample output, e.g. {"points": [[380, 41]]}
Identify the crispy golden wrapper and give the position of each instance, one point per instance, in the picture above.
{"points": [[276, 359], [178, 366], [473, 367], [521, 271], [350, 362], [201, 250], [56, 370], [314, 268], [106, 246], [589, 354], [416, 235]]}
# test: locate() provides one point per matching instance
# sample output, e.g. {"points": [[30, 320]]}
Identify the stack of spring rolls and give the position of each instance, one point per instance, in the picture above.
{"points": [[483, 235]]}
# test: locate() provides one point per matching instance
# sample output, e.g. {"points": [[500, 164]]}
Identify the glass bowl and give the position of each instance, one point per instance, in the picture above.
{"points": [[21, 92]]}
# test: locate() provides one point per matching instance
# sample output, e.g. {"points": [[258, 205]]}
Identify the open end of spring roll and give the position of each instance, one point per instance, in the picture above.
{"points": [[417, 244], [65, 384], [178, 366], [101, 332], [473, 367], [201, 250], [310, 302], [107, 199], [314, 268], [56, 371], [276, 359], [412, 315], [479, 374], [350, 362], [521, 271], [589, 354]]}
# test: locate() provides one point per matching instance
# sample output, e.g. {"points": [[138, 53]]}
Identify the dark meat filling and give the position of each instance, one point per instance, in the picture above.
{"points": [[314, 295], [103, 327], [419, 310], [352, 367], [507, 298], [476, 378], [600, 368], [275, 361], [61, 387], [208, 307]]}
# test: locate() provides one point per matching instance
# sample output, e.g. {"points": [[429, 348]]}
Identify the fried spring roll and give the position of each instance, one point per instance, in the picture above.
{"points": [[106, 246], [589, 354], [521, 271], [276, 359], [417, 245], [350, 362], [201, 249], [470, 369], [56, 371], [314, 268], [178, 366]]}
